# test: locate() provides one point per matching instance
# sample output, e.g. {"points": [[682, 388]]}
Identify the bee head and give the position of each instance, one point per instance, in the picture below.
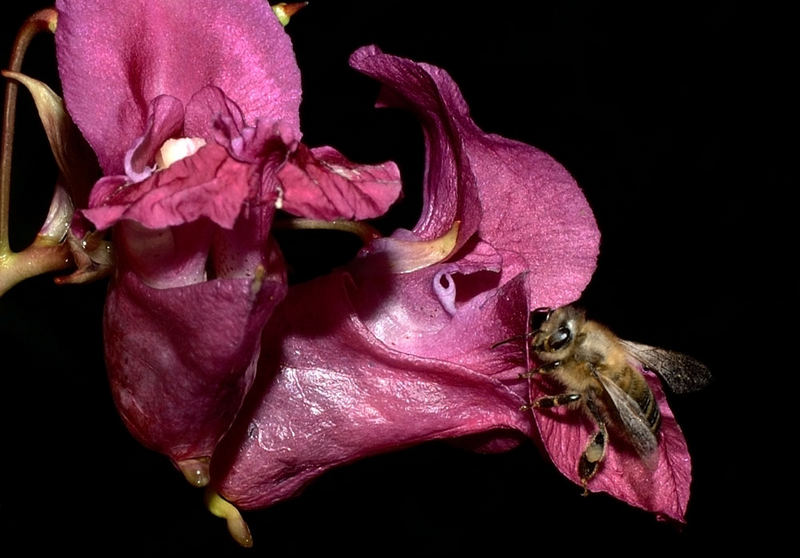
{"points": [[554, 331]]}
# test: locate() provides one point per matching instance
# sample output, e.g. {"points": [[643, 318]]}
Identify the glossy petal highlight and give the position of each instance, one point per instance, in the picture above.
{"points": [[334, 393], [377, 357]]}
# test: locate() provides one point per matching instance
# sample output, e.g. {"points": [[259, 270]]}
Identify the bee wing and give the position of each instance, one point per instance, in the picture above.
{"points": [[634, 421], [681, 372]]}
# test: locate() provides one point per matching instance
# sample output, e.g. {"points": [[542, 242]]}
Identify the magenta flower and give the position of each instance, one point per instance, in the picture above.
{"points": [[192, 111], [396, 348]]}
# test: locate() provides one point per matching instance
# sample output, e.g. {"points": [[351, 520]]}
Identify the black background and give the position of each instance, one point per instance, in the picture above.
{"points": [[653, 110]]}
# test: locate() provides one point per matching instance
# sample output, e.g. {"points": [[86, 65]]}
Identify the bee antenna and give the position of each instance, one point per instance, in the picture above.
{"points": [[504, 341]]}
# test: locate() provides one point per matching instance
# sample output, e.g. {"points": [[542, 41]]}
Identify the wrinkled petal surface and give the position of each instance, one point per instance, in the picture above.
{"points": [[533, 219], [321, 183], [528, 238], [197, 275], [208, 184], [114, 60]]}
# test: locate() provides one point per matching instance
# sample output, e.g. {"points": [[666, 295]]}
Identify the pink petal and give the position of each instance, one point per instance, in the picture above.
{"points": [[114, 61], [321, 183], [180, 360], [518, 199], [450, 189], [164, 258], [424, 313], [208, 110], [554, 237], [216, 118], [208, 184], [662, 487], [338, 394]]}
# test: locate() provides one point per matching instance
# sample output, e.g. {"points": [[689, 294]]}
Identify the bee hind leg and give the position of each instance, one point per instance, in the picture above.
{"points": [[595, 449], [552, 401]]}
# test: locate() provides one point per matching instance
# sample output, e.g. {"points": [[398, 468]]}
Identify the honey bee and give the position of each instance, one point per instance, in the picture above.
{"points": [[600, 375]]}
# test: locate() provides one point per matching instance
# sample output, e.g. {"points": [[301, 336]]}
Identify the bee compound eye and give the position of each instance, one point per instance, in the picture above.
{"points": [[560, 338], [539, 317]]}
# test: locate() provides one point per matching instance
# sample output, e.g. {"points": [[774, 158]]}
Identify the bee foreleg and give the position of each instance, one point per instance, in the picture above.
{"points": [[543, 369]]}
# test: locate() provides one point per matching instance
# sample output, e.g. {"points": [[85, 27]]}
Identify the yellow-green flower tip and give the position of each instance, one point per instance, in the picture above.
{"points": [[285, 10], [237, 527], [407, 256], [195, 471]]}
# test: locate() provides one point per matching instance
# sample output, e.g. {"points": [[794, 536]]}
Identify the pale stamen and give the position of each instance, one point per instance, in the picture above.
{"points": [[174, 150]]}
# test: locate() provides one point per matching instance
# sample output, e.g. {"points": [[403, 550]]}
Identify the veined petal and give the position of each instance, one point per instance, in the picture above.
{"points": [[321, 183], [208, 111], [515, 197], [112, 62], [553, 237]]}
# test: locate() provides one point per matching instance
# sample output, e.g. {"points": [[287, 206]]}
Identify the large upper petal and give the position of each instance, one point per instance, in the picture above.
{"points": [[115, 58], [518, 199], [450, 191]]}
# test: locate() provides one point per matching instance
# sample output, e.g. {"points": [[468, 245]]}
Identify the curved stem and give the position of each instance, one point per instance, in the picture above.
{"points": [[44, 20], [40, 257], [237, 527], [364, 231]]}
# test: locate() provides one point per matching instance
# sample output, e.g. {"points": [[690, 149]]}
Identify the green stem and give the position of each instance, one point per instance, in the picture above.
{"points": [[237, 527], [44, 20], [43, 256], [364, 231]]}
